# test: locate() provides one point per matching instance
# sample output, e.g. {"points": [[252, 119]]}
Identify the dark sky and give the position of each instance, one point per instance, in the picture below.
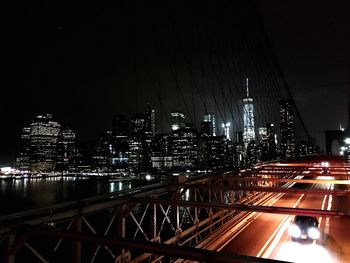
{"points": [[85, 62]]}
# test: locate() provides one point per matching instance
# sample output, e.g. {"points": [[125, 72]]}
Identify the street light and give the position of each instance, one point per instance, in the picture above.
{"points": [[347, 140]]}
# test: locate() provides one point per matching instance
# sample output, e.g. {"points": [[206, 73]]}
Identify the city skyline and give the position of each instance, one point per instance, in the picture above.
{"points": [[87, 63], [166, 131]]}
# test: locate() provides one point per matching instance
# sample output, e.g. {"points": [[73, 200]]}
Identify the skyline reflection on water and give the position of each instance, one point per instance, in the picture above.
{"points": [[27, 194]]}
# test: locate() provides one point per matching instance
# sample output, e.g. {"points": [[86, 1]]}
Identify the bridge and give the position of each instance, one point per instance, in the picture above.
{"points": [[219, 217]]}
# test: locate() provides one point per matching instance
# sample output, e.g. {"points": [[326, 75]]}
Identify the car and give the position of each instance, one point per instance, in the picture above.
{"points": [[304, 228]]}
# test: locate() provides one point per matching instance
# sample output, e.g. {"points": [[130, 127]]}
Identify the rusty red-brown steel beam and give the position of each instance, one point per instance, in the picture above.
{"points": [[272, 189], [253, 208], [196, 254], [286, 180]]}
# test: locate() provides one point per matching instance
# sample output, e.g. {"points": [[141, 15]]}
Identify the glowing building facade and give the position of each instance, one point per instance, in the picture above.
{"points": [[23, 161], [150, 121], [248, 118], [66, 150], [184, 148], [160, 155], [177, 120], [210, 121], [120, 134], [226, 130], [287, 130], [43, 143]]}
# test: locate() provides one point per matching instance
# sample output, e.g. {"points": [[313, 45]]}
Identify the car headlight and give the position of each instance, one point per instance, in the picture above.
{"points": [[314, 233], [294, 231]]}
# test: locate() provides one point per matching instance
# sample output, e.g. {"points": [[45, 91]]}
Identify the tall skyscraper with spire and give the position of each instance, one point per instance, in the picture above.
{"points": [[248, 117]]}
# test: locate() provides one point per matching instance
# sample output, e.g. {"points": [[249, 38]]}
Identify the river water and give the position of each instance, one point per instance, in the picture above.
{"points": [[26, 194]]}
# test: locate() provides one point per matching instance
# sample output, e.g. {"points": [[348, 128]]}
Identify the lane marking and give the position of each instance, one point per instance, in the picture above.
{"points": [[322, 208], [280, 233], [250, 220], [282, 228]]}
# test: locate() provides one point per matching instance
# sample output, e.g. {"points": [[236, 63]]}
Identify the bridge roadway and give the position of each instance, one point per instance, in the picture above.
{"points": [[266, 235]]}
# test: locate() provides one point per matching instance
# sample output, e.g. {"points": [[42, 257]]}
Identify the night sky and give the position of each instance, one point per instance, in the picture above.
{"points": [[85, 62]]}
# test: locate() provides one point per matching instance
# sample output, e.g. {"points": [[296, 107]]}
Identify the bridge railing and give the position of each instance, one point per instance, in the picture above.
{"points": [[180, 213]]}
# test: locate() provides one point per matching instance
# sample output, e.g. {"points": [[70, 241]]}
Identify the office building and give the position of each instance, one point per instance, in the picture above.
{"points": [[226, 130], [287, 129], [177, 120], [43, 143], [184, 148], [209, 121], [66, 150], [23, 161]]}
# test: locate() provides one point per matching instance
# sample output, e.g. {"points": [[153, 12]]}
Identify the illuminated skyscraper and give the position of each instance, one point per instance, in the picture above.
{"points": [[43, 143], [226, 130], [184, 147], [120, 132], [138, 124], [287, 129], [177, 120], [210, 118], [248, 118], [262, 133], [66, 150], [150, 120], [23, 161]]}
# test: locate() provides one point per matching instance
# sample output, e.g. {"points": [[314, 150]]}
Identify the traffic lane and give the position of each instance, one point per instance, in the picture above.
{"points": [[254, 237], [334, 241], [270, 223], [338, 236], [280, 241]]}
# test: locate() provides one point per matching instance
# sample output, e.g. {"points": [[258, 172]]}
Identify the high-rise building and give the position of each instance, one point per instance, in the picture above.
{"points": [[262, 131], [212, 152], [120, 126], [210, 118], [66, 150], [239, 149], [287, 130], [238, 137], [150, 121], [251, 154], [271, 132], [177, 120], [43, 143], [104, 153], [120, 142], [206, 128], [160, 153], [23, 161], [184, 148], [136, 153], [248, 118], [139, 124], [272, 141], [226, 130]]}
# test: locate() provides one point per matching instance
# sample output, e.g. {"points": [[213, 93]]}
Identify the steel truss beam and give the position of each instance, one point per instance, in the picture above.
{"points": [[154, 248], [262, 209], [310, 174], [286, 180], [272, 189], [83, 207]]}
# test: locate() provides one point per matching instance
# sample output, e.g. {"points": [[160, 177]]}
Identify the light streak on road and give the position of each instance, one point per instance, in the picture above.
{"points": [[275, 242], [277, 235]]}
